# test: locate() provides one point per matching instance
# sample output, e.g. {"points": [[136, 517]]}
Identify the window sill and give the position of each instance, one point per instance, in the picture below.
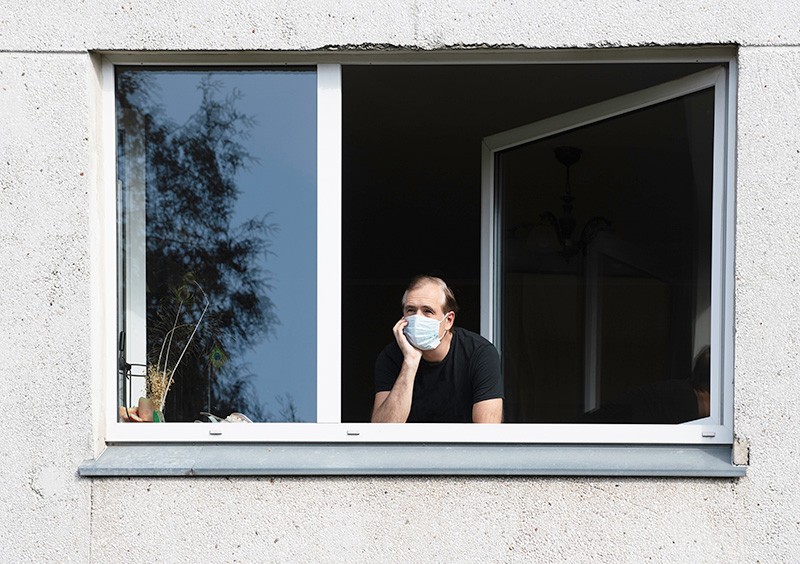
{"points": [[412, 459]]}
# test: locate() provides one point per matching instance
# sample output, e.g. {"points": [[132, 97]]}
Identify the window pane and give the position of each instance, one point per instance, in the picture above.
{"points": [[217, 200], [606, 281]]}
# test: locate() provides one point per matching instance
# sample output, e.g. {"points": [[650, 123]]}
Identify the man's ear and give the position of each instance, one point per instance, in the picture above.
{"points": [[451, 319]]}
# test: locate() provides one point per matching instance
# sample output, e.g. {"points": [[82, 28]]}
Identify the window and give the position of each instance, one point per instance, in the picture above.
{"points": [[218, 174], [614, 335], [270, 217]]}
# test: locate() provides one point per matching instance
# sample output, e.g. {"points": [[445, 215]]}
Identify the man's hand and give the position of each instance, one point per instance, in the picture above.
{"points": [[395, 405], [409, 352]]}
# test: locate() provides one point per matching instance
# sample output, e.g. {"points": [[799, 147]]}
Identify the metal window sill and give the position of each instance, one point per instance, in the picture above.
{"points": [[259, 459]]}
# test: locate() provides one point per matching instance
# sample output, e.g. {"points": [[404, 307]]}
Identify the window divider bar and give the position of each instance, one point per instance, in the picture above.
{"points": [[488, 241], [329, 245], [727, 85], [108, 267], [718, 242]]}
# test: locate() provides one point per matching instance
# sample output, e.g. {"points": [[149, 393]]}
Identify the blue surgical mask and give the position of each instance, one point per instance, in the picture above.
{"points": [[423, 332]]}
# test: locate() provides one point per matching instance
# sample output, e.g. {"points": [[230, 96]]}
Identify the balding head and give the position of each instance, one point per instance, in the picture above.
{"points": [[448, 298]]}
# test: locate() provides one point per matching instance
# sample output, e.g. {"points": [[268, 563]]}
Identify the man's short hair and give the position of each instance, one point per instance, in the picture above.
{"points": [[450, 303]]}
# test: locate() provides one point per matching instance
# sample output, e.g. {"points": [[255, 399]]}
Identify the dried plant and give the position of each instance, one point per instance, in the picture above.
{"points": [[157, 382], [160, 376]]}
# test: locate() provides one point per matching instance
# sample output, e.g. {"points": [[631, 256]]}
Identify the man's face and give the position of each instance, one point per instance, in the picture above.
{"points": [[427, 300]]}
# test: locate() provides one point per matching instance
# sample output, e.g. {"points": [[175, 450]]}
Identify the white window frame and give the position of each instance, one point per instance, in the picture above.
{"points": [[328, 429]]}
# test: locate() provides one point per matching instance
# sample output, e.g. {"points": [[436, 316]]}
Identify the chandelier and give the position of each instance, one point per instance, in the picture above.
{"points": [[565, 225]]}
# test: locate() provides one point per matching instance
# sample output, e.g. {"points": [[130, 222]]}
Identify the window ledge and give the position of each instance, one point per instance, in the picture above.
{"points": [[412, 459]]}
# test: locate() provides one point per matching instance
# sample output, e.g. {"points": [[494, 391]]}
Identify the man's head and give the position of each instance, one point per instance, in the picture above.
{"points": [[430, 296]]}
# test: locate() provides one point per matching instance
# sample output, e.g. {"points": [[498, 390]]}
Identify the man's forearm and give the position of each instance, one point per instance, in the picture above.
{"points": [[397, 405]]}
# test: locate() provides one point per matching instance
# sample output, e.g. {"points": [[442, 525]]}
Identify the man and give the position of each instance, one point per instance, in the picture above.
{"points": [[434, 372]]}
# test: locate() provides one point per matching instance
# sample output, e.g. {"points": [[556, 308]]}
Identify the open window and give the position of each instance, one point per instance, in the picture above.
{"points": [[601, 224], [269, 219]]}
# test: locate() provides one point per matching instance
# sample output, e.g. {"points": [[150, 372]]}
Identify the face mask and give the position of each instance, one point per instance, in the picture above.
{"points": [[423, 332]]}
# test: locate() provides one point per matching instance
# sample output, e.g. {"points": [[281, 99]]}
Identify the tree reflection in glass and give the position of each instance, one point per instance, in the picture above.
{"points": [[210, 231]]}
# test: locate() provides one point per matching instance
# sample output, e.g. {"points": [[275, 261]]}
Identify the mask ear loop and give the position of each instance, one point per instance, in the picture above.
{"points": [[446, 331]]}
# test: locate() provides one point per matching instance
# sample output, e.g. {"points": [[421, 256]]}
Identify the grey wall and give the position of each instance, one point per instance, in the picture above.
{"points": [[49, 176]]}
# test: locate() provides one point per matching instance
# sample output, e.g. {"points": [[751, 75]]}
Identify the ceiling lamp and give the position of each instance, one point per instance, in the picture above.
{"points": [[564, 226]]}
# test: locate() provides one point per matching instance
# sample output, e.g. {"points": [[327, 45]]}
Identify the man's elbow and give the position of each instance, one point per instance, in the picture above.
{"points": [[379, 407], [488, 411], [377, 416], [386, 416]]}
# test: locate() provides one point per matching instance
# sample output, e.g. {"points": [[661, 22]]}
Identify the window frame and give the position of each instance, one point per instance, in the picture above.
{"points": [[718, 425], [328, 429]]}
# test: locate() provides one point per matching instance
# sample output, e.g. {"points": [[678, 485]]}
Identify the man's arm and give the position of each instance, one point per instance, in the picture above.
{"points": [[487, 384], [395, 405], [488, 411]]}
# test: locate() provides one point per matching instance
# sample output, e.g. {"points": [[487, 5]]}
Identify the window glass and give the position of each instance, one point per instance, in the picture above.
{"points": [[217, 233], [606, 284]]}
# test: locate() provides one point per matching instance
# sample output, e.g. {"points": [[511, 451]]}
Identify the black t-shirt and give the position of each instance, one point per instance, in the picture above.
{"points": [[445, 391]]}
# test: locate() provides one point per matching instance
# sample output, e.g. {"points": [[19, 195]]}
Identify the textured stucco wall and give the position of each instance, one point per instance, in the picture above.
{"points": [[311, 24], [47, 177], [45, 387]]}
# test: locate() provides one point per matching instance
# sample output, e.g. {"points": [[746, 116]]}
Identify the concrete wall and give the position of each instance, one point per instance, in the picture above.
{"points": [[49, 174]]}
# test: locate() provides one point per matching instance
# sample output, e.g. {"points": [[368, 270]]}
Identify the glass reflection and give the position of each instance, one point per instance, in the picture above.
{"points": [[217, 175], [620, 320]]}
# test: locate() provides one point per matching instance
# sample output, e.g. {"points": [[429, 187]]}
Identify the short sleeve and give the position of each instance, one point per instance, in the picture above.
{"points": [[387, 368], [487, 382]]}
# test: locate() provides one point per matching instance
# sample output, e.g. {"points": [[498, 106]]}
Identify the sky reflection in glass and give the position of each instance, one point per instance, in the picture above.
{"points": [[280, 183]]}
